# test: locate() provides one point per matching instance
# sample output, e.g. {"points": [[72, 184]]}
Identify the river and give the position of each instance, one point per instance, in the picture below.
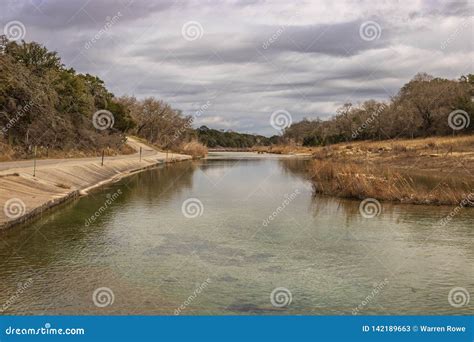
{"points": [[237, 233]]}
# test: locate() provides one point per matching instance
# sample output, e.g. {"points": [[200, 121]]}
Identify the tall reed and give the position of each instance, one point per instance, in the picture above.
{"points": [[356, 181]]}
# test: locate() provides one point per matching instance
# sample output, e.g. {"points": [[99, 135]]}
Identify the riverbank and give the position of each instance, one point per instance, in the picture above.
{"points": [[434, 170], [351, 180], [24, 196], [9, 153]]}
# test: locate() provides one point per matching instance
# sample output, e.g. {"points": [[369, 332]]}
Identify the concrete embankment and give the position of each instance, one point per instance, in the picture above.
{"points": [[23, 197]]}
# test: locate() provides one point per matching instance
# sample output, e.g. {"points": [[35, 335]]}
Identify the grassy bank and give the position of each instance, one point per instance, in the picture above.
{"points": [[356, 181], [420, 171], [435, 170], [9, 153], [284, 149]]}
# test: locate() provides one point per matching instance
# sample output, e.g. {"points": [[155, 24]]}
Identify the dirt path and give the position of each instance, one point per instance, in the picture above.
{"points": [[23, 196]]}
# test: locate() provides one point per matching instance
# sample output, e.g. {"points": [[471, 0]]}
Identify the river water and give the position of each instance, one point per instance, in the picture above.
{"points": [[219, 236]]}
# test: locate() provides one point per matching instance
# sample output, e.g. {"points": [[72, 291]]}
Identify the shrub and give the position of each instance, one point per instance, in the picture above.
{"points": [[195, 149]]}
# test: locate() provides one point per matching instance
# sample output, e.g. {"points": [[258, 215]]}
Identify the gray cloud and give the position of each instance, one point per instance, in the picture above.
{"points": [[340, 39], [254, 56], [84, 15]]}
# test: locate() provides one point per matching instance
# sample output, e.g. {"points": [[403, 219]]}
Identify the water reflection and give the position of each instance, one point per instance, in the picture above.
{"points": [[153, 257], [295, 166], [50, 242]]}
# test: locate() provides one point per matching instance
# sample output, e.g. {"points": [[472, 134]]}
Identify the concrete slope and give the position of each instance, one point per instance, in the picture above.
{"points": [[23, 196]]}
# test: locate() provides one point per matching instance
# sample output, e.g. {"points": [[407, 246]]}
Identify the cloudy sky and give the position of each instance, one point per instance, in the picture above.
{"points": [[237, 62]]}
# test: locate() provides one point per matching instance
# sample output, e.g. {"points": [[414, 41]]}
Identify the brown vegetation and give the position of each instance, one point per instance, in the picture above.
{"points": [[355, 181], [436, 154], [44, 104], [421, 171], [195, 149], [63, 114], [157, 122], [283, 149], [425, 106], [8, 153]]}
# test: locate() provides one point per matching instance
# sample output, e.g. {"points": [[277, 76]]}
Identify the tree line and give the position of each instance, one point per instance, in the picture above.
{"points": [[46, 104], [43, 103], [219, 138], [425, 106]]}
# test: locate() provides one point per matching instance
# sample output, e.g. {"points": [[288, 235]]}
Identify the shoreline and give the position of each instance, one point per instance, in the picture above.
{"points": [[428, 171], [53, 203], [26, 197]]}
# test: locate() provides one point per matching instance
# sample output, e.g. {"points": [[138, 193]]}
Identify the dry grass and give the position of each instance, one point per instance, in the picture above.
{"points": [[7, 153], [436, 170], [63, 186], [459, 143], [194, 149], [356, 181], [283, 149], [432, 145], [436, 154], [108, 152]]}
